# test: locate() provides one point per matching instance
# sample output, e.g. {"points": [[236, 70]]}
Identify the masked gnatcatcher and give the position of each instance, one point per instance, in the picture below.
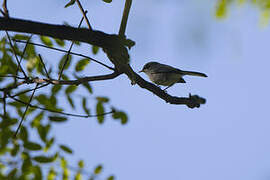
{"points": [[165, 75]]}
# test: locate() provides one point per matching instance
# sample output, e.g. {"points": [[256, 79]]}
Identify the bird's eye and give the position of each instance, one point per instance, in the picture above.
{"points": [[146, 66]]}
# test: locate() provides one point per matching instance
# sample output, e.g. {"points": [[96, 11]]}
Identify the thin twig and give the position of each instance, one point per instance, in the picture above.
{"points": [[2, 12], [14, 52], [24, 50], [78, 81], [67, 82], [4, 104], [68, 53], [61, 50], [63, 113], [5, 12], [44, 66], [29, 90], [7, 89], [26, 108], [84, 14], [124, 19], [61, 82], [111, 44], [12, 76]]}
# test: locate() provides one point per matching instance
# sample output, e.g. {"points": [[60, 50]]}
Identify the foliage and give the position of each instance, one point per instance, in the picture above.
{"points": [[222, 8], [35, 153]]}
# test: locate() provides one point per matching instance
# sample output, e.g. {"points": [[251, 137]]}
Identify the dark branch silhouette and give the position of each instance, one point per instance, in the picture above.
{"points": [[60, 112], [112, 45]]}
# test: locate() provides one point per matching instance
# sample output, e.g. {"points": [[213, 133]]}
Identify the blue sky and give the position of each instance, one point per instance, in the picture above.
{"points": [[228, 138]]}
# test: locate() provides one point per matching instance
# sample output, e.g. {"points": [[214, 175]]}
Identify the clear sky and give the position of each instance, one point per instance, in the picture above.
{"points": [[225, 139]]}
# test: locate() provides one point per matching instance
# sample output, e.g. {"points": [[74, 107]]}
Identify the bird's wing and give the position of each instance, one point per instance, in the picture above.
{"points": [[167, 69]]}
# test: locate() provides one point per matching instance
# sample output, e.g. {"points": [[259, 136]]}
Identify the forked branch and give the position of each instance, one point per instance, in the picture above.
{"points": [[112, 45]]}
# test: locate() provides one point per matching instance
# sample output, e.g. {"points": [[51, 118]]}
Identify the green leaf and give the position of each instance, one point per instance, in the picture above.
{"points": [[53, 100], [37, 119], [221, 9], [37, 172], [43, 131], [57, 118], [30, 51], [78, 176], [65, 174], [42, 99], [60, 42], [23, 97], [32, 63], [24, 134], [95, 49], [16, 104], [107, 1], [102, 99], [81, 164], [98, 169], [120, 115], [65, 77], [56, 89], [46, 40], [71, 2], [66, 149], [44, 159], [7, 122], [15, 150], [70, 100], [51, 174], [49, 144], [84, 102], [88, 87], [71, 89], [63, 162], [78, 43], [81, 64], [66, 58], [27, 163], [12, 174], [110, 178], [32, 146], [21, 37], [100, 112], [39, 67]]}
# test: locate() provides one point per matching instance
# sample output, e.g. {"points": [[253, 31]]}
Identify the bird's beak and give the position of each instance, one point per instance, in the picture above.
{"points": [[141, 71]]}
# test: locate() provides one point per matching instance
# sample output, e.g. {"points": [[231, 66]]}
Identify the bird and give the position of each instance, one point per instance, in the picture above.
{"points": [[165, 75]]}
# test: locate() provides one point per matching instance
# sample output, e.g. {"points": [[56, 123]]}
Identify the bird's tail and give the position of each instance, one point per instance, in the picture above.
{"points": [[192, 73]]}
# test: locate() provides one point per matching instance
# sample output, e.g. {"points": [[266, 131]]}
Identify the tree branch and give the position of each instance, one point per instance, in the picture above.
{"points": [[24, 50], [124, 19], [29, 90], [44, 66], [61, 50], [63, 82], [59, 112], [16, 57], [191, 101], [58, 82], [68, 53], [78, 81], [26, 108], [5, 12], [96, 38], [84, 15], [112, 46]]}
